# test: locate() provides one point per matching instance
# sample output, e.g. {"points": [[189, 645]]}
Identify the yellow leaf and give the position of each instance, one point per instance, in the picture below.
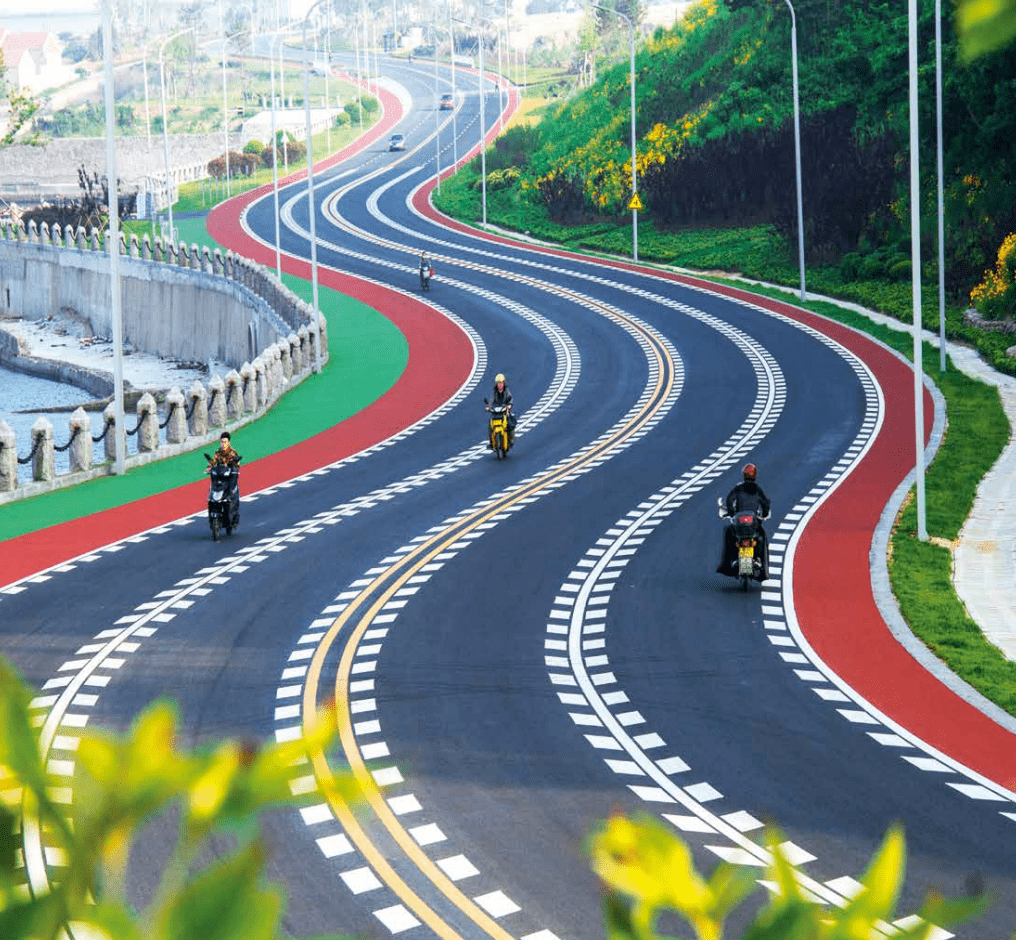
{"points": [[209, 791]]}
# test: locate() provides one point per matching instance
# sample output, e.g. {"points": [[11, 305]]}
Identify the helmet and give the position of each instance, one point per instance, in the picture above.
{"points": [[750, 471], [499, 378]]}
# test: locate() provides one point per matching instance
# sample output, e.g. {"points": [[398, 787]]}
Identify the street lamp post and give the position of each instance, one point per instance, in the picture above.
{"points": [[113, 244], [634, 201], [315, 334], [455, 109], [483, 124], [148, 113], [275, 157], [165, 128], [941, 220], [455, 128], [359, 74], [225, 105], [797, 146], [915, 270]]}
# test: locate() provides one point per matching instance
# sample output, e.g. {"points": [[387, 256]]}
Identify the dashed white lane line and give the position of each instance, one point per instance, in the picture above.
{"points": [[577, 611]]}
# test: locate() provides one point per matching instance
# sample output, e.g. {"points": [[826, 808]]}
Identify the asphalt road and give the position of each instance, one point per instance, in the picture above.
{"points": [[524, 647]]}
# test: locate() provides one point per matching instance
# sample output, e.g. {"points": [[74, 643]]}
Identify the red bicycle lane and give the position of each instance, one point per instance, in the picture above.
{"points": [[833, 595], [441, 357]]}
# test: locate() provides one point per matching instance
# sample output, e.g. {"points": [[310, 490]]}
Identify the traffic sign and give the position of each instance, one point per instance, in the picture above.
{"points": [[635, 203]]}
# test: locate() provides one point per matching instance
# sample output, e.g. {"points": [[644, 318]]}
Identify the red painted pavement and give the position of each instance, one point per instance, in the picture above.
{"points": [[440, 359]]}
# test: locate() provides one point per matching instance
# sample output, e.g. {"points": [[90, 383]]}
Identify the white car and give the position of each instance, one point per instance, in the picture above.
{"points": [[320, 68], [397, 142]]}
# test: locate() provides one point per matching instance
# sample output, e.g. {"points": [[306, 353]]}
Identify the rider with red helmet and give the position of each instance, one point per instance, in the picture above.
{"points": [[746, 496]]}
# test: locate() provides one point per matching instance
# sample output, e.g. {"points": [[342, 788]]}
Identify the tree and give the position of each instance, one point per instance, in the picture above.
{"points": [[21, 107]]}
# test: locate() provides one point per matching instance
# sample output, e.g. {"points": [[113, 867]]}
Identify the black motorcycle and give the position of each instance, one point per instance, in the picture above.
{"points": [[744, 545], [426, 273], [223, 498]]}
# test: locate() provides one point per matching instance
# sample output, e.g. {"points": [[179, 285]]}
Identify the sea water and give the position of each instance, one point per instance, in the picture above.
{"points": [[19, 393]]}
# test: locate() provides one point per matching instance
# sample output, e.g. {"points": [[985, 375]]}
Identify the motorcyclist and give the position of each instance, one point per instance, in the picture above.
{"points": [[425, 267], [502, 396], [225, 456], [745, 496]]}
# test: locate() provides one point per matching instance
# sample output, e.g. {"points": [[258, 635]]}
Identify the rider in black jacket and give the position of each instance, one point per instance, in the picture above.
{"points": [[746, 495]]}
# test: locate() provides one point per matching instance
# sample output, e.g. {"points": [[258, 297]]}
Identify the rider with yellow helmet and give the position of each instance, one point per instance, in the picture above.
{"points": [[502, 396]]}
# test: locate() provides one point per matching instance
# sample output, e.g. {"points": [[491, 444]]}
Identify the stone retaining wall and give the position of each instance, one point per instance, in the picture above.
{"points": [[178, 302]]}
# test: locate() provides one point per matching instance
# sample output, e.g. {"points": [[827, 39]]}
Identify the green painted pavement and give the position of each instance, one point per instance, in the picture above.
{"points": [[367, 356]]}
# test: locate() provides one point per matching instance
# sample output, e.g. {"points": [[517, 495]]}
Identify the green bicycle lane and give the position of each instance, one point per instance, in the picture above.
{"points": [[392, 360]]}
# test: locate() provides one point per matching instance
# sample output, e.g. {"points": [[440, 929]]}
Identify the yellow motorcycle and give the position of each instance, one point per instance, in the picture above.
{"points": [[500, 440]]}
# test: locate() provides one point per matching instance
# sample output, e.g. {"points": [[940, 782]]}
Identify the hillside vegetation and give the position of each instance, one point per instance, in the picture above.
{"points": [[714, 110]]}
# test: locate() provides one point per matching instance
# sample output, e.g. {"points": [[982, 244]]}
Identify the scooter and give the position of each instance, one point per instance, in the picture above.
{"points": [[500, 442], [748, 537], [223, 499]]}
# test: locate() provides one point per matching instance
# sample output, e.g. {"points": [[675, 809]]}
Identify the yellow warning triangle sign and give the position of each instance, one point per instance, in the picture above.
{"points": [[635, 203]]}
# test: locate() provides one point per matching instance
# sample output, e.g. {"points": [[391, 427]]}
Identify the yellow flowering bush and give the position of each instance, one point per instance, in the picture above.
{"points": [[995, 296], [648, 870]]}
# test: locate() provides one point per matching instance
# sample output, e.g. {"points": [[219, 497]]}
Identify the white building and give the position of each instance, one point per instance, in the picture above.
{"points": [[33, 61]]}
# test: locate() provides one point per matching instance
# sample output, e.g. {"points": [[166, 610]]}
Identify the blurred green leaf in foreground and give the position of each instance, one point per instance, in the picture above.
{"points": [[984, 26], [121, 784]]}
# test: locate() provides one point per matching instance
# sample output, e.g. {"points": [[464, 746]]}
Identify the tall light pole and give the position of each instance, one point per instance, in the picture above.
{"points": [[316, 336], [165, 128], [113, 244], [455, 110], [797, 146], [328, 68], [483, 123], [437, 111], [915, 270], [634, 202], [148, 113], [225, 106], [359, 73], [275, 157], [941, 220]]}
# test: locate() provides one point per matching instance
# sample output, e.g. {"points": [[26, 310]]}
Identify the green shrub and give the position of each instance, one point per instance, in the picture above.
{"points": [[900, 270]]}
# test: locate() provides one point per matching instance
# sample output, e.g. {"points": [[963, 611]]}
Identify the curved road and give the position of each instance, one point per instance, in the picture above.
{"points": [[522, 648]]}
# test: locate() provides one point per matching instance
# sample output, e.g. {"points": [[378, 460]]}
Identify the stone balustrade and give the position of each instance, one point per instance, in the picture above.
{"points": [[190, 421], [181, 302]]}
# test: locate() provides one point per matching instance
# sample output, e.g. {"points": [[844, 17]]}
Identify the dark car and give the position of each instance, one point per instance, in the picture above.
{"points": [[397, 142], [447, 102]]}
